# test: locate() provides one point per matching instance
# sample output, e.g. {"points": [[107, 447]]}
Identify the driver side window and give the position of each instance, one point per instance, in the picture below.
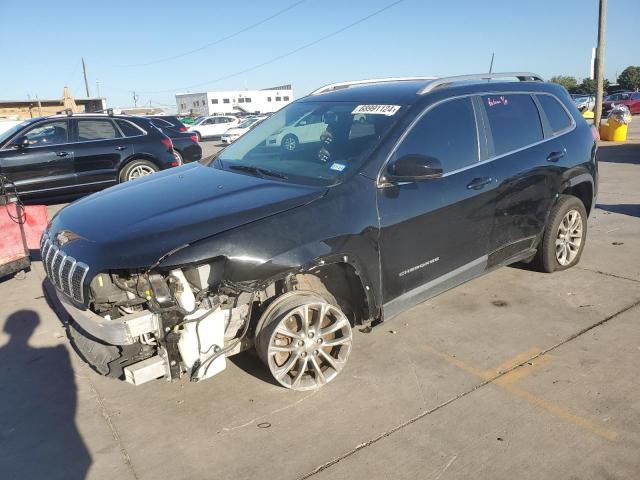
{"points": [[448, 133], [48, 133]]}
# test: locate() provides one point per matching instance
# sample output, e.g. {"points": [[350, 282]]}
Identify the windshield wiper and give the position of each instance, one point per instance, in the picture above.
{"points": [[262, 172]]}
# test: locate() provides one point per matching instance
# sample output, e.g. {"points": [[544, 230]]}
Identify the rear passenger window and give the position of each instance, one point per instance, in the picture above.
{"points": [[558, 117], [448, 133], [514, 121], [128, 129], [96, 130]]}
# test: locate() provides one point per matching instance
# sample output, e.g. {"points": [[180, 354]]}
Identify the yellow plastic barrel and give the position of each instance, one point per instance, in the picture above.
{"points": [[617, 131], [604, 131]]}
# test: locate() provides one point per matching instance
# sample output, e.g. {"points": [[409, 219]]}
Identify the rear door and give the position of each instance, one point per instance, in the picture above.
{"points": [[526, 165], [434, 233], [45, 163], [100, 147]]}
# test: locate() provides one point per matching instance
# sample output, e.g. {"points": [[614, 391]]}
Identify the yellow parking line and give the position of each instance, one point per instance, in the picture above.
{"points": [[506, 382]]}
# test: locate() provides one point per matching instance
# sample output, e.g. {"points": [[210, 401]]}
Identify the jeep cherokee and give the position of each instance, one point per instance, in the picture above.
{"points": [[403, 188]]}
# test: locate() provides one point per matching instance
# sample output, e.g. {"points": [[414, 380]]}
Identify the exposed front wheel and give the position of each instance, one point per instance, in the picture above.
{"points": [[564, 237], [304, 340]]}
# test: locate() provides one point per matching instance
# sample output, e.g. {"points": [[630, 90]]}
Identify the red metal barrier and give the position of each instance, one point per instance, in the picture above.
{"points": [[14, 252]]}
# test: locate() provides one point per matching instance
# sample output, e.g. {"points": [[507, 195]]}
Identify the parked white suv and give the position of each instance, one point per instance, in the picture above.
{"points": [[307, 129], [213, 126]]}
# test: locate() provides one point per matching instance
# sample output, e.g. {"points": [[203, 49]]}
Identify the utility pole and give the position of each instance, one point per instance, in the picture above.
{"points": [[39, 105], [135, 99], [602, 20], [84, 72], [98, 88]]}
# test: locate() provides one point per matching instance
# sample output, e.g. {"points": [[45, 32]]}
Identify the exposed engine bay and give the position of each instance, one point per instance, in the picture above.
{"points": [[183, 322]]}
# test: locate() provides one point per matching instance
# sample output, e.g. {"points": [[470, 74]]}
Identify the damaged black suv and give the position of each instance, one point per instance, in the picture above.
{"points": [[344, 208]]}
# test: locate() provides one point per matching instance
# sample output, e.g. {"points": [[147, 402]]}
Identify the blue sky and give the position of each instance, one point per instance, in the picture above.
{"points": [[42, 43]]}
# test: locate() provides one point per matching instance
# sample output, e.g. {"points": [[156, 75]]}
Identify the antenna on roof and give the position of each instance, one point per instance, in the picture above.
{"points": [[491, 64]]}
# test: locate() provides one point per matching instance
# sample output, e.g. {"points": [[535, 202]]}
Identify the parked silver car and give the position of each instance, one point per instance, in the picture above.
{"points": [[584, 102]]}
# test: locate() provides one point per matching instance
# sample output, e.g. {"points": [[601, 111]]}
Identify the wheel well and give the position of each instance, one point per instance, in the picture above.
{"points": [[342, 281], [583, 191]]}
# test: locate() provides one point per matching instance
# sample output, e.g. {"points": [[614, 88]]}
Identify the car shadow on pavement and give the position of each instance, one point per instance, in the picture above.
{"points": [[631, 209], [249, 362], [620, 153], [38, 399]]}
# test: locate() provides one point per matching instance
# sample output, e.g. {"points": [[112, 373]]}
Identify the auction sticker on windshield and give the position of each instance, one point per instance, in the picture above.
{"points": [[387, 110]]}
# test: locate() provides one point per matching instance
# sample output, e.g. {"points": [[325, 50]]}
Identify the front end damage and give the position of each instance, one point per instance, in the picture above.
{"points": [[140, 326]]}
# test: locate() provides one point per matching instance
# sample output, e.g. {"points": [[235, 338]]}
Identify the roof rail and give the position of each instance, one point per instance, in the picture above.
{"points": [[338, 86], [439, 82]]}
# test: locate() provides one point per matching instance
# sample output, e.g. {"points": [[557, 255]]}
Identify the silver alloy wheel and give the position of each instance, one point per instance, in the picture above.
{"points": [[309, 345], [140, 171], [569, 237], [289, 143], [178, 157]]}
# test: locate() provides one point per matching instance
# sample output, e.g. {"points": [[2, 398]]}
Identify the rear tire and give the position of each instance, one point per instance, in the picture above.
{"points": [[564, 237], [136, 169], [178, 157]]}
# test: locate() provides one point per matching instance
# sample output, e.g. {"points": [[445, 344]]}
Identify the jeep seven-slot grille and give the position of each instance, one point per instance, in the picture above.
{"points": [[66, 274]]}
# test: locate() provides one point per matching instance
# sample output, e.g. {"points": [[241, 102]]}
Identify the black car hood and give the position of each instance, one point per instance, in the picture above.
{"points": [[133, 224]]}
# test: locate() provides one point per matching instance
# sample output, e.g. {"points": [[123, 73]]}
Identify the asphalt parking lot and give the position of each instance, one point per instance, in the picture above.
{"points": [[516, 374]]}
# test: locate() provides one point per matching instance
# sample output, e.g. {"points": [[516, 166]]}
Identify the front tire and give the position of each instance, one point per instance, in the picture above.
{"points": [[290, 143], [136, 169], [304, 340], [564, 237]]}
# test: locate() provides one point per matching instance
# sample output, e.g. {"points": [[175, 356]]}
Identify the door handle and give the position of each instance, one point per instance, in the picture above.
{"points": [[479, 183], [120, 147], [555, 156], [62, 154]]}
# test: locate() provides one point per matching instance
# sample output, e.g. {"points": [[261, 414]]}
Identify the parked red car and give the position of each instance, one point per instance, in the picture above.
{"points": [[631, 100]]}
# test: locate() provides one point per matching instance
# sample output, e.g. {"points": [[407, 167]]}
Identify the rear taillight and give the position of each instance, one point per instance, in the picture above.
{"points": [[194, 138], [183, 129], [594, 132], [167, 143]]}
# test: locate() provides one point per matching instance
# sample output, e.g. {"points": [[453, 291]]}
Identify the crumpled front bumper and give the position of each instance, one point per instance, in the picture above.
{"points": [[119, 331]]}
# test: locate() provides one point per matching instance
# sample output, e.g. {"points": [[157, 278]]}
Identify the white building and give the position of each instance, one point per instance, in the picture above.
{"points": [[234, 101]]}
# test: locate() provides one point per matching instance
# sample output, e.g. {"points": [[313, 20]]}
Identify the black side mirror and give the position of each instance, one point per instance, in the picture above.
{"points": [[413, 168], [21, 142]]}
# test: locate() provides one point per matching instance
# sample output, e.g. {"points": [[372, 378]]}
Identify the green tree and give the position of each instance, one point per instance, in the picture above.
{"points": [[564, 80], [629, 79], [588, 87]]}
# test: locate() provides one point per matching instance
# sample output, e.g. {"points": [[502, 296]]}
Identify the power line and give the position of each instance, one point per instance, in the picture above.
{"points": [[216, 42], [284, 55]]}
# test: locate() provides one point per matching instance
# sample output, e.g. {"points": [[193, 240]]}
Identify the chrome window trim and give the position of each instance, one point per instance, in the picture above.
{"points": [[135, 125], [383, 184], [115, 125], [35, 124], [566, 110]]}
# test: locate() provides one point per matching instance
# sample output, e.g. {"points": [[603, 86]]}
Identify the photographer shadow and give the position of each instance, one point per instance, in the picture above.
{"points": [[38, 399]]}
